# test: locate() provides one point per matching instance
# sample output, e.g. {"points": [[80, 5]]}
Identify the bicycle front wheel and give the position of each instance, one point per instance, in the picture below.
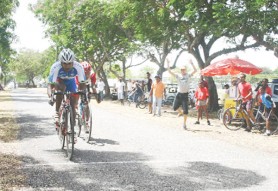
{"points": [[88, 126], [70, 133], [273, 123], [233, 119]]}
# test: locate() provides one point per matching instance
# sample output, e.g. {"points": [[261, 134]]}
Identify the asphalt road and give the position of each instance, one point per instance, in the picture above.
{"points": [[133, 151]]}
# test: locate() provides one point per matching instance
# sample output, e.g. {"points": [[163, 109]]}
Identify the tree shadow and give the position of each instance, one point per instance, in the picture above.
{"points": [[94, 170]]}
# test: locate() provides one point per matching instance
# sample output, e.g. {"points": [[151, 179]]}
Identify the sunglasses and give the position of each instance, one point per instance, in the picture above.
{"points": [[66, 63]]}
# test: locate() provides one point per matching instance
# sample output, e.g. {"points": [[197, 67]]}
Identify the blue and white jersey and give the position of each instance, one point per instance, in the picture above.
{"points": [[57, 72], [68, 78]]}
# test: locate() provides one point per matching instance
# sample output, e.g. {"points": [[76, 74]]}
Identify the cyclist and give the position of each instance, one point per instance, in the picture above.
{"points": [[245, 94], [62, 77], [91, 79]]}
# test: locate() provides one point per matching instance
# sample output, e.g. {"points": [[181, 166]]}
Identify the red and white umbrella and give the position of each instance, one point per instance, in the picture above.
{"points": [[232, 66]]}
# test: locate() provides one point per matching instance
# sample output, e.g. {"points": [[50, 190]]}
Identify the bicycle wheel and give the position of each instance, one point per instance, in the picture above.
{"points": [[142, 104], [260, 120], [232, 119], [273, 123], [70, 133], [79, 123], [220, 114], [61, 127], [88, 129]]}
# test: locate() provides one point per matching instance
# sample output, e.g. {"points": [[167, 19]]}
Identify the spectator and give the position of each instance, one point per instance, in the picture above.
{"points": [[129, 86], [149, 87], [267, 89], [183, 89], [100, 88], [202, 95], [157, 91], [245, 94], [138, 92], [120, 86], [1, 88], [269, 104], [233, 91]]}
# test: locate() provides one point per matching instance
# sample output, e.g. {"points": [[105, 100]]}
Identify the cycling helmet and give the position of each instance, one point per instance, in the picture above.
{"points": [[66, 56], [87, 67]]}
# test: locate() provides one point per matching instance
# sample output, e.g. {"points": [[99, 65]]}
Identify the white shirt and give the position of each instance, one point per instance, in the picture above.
{"points": [[129, 86], [183, 83], [120, 87], [100, 85]]}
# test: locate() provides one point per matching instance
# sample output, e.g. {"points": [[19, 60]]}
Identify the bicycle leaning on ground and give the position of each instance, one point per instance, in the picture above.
{"points": [[65, 123], [233, 119]]}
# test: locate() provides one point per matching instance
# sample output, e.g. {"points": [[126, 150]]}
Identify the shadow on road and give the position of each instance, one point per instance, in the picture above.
{"points": [[131, 171]]}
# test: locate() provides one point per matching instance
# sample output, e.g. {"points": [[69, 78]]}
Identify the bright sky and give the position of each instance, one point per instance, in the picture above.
{"points": [[29, 29], [30, 33]]}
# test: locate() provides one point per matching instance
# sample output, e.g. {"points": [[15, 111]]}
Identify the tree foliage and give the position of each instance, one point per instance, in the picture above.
{"points": [[7, 25], [27, 65]]}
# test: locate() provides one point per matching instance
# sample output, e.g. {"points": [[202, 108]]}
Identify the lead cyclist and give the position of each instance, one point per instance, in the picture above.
{"points": [[62, 78]]}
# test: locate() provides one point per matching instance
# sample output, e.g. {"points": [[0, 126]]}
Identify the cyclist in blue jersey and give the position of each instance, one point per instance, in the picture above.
{"points": [[62, 78]]}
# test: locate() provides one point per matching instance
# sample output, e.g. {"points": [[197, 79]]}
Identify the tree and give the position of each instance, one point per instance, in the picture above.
{"points": [[7, 25], [28, 65]]}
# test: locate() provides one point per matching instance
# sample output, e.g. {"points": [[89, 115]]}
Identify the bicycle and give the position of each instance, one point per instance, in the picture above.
{"points": [[84, 120], [261, 120], [233, 119], [65, 123]]}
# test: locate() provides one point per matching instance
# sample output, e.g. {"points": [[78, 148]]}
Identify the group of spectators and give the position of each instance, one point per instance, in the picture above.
{"points": [[240, 89]]}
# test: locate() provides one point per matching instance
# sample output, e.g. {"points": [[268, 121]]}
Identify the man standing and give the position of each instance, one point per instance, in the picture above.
{"points": [[100, 88], [149, 87], [245, 94], [157, 91], [120, 86], [183, 89]]}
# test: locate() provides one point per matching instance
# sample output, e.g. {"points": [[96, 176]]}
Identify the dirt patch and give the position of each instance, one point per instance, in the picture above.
{"points": [[10, 173]]}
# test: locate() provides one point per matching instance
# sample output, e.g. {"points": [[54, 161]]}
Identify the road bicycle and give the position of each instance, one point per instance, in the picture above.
{"points": [[65, 123], [84, 119], [233, 119]]}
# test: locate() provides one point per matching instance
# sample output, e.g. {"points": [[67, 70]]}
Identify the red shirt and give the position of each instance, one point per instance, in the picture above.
{"points": [[267, 90], [244, 89], [202, 93]]}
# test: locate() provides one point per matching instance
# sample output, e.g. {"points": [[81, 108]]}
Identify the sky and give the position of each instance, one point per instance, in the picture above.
{"points": [[29, 29], [30, 32]]}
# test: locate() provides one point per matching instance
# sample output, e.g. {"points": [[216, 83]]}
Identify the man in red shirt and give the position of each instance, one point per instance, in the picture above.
{"points": [[245, 94], [202, 95]]}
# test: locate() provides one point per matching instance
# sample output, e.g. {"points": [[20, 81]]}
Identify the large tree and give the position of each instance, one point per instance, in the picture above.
{"points": [[7, 24]]}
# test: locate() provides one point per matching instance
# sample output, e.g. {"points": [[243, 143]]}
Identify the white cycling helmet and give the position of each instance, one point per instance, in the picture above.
{"points": [[66, 56]]}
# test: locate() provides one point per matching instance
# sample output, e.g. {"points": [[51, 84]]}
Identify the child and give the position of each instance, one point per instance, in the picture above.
{"points": [[269, 105], [202, 96]]}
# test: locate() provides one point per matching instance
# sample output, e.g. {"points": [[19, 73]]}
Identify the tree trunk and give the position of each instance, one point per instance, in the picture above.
{"points": [[104, 78], [213, 96]]}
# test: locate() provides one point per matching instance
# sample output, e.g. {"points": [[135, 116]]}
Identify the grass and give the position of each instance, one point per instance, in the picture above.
{"points": [[11, 175]]}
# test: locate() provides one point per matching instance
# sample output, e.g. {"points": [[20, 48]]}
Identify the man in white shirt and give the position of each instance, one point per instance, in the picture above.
{"points": [[100, 88], [120, 86]]}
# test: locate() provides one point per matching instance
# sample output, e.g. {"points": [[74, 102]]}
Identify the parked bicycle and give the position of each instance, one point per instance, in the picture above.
{"points": [[233, 119]]}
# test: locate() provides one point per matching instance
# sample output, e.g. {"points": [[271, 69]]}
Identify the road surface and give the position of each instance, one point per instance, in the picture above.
{"points": [[133, 151]]}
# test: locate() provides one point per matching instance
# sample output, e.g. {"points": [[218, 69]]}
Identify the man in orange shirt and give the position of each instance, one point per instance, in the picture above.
{"points": [[157, 92]]}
